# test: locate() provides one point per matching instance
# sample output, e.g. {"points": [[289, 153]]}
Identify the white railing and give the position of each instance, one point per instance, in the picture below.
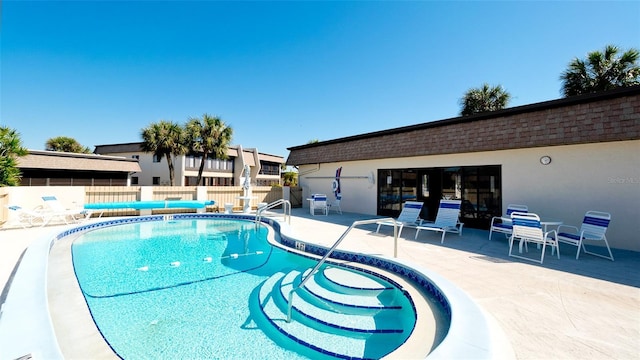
{"points": [[326, 256], [286, 208]]}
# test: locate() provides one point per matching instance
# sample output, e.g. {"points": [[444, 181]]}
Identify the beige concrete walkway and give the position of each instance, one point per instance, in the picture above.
{"points": [[563, 309], [13, 242]]}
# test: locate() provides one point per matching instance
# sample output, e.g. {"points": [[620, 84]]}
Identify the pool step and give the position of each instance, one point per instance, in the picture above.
{"points": [[337, 313], [349, 295], [349, 282]]}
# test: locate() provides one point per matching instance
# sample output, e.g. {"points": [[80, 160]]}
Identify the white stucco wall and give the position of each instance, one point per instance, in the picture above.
{"points": [[601, 176], [30, 197]]}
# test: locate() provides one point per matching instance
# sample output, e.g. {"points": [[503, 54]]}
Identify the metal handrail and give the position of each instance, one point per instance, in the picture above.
{"points": [[324, 258], [286, 208]]}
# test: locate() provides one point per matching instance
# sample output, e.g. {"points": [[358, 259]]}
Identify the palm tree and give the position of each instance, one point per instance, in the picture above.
{"points": [[164, 139], [485, 98], [208, 136], [290, 178], [66, 144], [601, 71], [10, 149]]}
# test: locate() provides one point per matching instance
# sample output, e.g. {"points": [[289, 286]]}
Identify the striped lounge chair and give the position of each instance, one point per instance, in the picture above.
{"points": [[446, 219]]}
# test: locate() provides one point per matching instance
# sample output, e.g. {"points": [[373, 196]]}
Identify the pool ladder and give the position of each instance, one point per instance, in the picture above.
{"points": [[286, 207], [335, 245]]}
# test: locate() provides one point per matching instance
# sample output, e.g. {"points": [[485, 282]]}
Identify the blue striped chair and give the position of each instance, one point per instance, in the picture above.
{"points": [[502, 224], [527, 229], [594, 226], [320, 203], [447, 219], [409, 216]]}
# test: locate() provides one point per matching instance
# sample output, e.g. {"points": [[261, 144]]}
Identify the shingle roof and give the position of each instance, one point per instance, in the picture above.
{"points": [[71, 161], [610, 116]]}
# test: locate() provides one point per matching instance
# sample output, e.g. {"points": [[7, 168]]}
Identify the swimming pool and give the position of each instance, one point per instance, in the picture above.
{"points": [[216, 288], [27, 322]]}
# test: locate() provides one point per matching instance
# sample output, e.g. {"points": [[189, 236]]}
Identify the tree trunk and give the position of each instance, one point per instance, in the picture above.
{"points": [[201, 169], [171, 170]]}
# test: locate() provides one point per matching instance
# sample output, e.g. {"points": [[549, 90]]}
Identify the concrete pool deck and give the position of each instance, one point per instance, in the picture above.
{"points": [[563, 309]]}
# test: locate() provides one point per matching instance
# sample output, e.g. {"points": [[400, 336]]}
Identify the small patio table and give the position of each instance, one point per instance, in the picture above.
{"points": [[544, 223]]}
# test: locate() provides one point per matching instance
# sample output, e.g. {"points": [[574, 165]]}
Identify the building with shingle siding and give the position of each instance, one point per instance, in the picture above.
{"points": [[561, 158], [55, 168]]}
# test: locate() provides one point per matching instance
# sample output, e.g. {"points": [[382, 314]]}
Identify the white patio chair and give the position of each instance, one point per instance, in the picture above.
{"points": [[25, 217], [409, 216], [57, 210], [502, 224], [447, 219], [527, 229], [319, 202], [594, 226]]}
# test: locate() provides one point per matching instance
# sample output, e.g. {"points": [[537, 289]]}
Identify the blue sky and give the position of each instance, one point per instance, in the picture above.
{"points": [[283, 73]]}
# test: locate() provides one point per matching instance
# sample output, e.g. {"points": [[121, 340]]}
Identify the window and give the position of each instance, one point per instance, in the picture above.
{"points": [[156, 180], [269, 168], [134, 180], [190, 162], [156, 158], [267, 182]]}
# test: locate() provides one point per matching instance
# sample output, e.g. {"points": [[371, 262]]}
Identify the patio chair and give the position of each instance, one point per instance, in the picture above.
{"points": [[409, 216], [336, 205], [502, 224], [527, 229], [24, 217], [594, 226], [319, 202], [447, 219], [57, 210]]}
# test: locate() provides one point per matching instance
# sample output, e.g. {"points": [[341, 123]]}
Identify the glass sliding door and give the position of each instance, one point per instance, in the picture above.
{"points": [[430, 192], [481, 199], [479, 188], [394, 188], [389, 189]]}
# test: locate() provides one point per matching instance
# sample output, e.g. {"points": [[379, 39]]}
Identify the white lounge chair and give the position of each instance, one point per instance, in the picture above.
{"points": [[409, 216], [25, 217], [319, 202], [527, 229], [594, 226], [447, 219], [502, 224], [57, 210]]}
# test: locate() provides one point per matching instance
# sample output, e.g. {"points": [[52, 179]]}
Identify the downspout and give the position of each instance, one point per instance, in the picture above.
{"points": [[310, 171], [304, 174]]}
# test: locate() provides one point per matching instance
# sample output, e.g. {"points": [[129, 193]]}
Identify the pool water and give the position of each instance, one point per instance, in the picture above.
{"points": [[183, 289]]}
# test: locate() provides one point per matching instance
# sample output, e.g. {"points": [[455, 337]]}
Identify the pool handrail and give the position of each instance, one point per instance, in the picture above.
{"points": [[335, 245], [286, 204]]}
